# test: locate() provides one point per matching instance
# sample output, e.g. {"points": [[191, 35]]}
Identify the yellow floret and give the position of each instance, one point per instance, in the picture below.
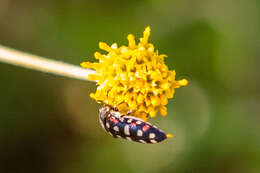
{"points": [[134, 77]]}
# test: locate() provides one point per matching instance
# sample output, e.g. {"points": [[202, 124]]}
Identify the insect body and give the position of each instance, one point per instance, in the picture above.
{"points": [[129, 127]]}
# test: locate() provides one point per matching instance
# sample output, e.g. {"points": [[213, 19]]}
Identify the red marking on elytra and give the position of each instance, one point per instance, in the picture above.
{"points": [[145, 128], [133, 124], [113, 119]]}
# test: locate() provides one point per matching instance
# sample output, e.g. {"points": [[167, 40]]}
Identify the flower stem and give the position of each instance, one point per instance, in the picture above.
{"points": [[26, 60]]}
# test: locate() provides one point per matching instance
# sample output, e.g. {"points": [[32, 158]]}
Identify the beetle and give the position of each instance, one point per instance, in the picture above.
{"points": [[129, 127]]}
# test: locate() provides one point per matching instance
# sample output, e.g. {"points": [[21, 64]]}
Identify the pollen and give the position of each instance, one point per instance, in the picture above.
{"points": [[134, 77], [169, 136]]}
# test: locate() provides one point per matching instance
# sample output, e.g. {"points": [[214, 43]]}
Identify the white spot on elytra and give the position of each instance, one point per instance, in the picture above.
{"points": [[126, 130], [142, 141], [138, 122], [116, 128], [129, 120], [131, 117], [139, 132], [151, 135], [107, 124], [153, 141], [116, 114]]}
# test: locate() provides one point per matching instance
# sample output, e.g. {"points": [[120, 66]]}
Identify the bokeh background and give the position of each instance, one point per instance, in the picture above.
{"points": [[48, 124]]}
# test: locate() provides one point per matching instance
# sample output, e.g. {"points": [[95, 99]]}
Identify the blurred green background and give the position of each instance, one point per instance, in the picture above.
{"points": [[48, 124]]}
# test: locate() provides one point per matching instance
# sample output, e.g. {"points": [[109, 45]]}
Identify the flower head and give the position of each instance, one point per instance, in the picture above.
{"points": [[134, 77]]}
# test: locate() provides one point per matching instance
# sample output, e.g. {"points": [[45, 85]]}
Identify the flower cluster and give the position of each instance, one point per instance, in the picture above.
{"points": [[134, 77]]}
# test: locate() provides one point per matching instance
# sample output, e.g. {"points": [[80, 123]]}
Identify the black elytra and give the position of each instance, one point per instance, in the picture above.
{"points": [[129, 127]]}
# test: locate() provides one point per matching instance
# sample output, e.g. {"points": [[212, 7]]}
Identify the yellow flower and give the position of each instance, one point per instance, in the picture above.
{"points": [[134, 77]]}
